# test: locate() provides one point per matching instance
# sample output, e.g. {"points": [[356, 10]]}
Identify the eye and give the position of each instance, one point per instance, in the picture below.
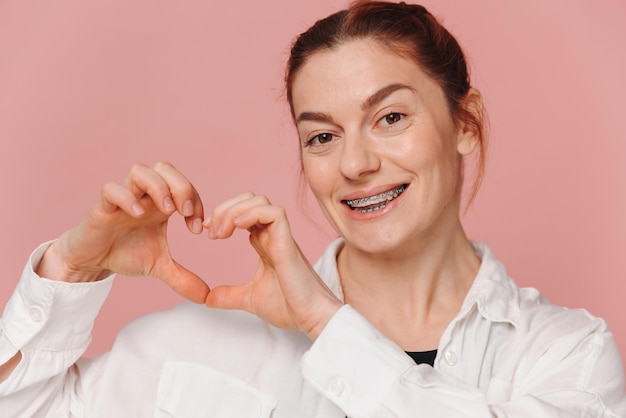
{"points": [[320, 139], [392, 118]]}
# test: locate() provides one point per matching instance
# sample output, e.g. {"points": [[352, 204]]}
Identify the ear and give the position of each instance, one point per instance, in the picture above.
{"points": [[470, 122]]}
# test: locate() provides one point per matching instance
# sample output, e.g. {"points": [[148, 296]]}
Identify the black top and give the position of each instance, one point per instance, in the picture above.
{"points": [[420, 357]]}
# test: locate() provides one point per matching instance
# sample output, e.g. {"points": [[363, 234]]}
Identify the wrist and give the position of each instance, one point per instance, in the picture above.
{"points": [[326, 313], [54, 266]]}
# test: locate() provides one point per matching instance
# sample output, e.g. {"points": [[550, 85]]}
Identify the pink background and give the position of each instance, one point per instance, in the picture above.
{"points": [[89, 88]]}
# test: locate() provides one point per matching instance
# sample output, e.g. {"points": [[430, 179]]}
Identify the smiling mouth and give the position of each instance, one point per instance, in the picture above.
{"points": [[376, 202]]}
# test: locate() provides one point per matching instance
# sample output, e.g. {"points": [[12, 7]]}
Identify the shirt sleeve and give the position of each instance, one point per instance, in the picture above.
{"points": [[50, 322], [367, 375]]}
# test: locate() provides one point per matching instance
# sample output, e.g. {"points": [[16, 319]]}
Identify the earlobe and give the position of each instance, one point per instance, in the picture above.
{"points": [[471, 122], [467, 142]]}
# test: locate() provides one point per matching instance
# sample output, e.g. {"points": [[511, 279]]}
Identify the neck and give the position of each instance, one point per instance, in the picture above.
{"points": [[413, 294]]}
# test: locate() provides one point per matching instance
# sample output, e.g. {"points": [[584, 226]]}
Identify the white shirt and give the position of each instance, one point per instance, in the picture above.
{"points": [[508, 353]]}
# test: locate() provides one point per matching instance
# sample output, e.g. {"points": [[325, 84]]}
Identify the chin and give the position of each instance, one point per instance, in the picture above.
{"points": [[383, 243]]}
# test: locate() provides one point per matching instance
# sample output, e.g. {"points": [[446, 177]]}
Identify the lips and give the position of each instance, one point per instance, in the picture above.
{"points": [[375, 202]]}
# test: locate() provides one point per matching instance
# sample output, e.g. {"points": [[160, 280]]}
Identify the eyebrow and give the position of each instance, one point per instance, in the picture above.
{"points": [[383, 93], [368, 103], [314, 117]]}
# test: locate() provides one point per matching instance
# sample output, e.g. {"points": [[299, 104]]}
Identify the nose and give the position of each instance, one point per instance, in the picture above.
{"points": [[358, 157]]}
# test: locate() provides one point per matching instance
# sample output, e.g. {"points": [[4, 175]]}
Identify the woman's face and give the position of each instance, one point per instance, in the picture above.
{"points": [[380, 150]]}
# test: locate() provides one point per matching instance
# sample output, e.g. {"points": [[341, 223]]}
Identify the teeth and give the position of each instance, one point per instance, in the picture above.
{"points": [[379, 200], [370, 209]]}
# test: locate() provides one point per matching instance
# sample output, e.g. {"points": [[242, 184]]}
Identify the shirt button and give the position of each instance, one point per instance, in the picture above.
{"points": [[338, 387], [35, 314], [451, 357]]}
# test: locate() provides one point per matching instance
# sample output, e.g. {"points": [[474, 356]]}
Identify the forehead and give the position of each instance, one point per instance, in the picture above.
{"points": [[352, 72]]}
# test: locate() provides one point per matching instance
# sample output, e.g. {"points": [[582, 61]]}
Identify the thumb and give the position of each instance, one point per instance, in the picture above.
{"points": [[185, 283], [229, 297]]}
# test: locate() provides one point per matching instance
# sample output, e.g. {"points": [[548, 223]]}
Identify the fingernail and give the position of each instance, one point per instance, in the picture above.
{"points": [[196, 227], [169, 204], [207, 222], [188, 208], [138, 209]]}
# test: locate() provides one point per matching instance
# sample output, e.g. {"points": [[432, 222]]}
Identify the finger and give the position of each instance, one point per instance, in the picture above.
{"points": [[185, 197], [194, 222], [260, 214], [233, 213], [276, 240], [184, 282], [114, 196], [229, 297], [219, 215], [143, 180]]}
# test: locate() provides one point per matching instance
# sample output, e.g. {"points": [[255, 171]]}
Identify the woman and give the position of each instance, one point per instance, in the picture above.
{"points": [[385, 115]]}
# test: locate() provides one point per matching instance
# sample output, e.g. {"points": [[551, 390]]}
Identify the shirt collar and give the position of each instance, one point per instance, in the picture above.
{"points": [[326, 267], [493, 292]]}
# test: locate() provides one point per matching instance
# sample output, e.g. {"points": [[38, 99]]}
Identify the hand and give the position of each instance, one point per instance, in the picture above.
{"points": [[126, 233], [285, 290]]}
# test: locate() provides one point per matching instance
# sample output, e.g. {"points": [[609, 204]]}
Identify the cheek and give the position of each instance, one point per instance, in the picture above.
{"points": [[318, 175], [432, 158], [416, 153]]}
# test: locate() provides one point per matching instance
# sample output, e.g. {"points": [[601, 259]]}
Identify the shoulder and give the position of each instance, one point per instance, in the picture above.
{"points": [[189, 324], [500, 299], [539, 315], [569, 348], [563, 331], [189, 346], [554, 346], [231, 342]]}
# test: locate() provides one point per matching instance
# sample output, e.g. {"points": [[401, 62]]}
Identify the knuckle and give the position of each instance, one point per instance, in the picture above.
{"points": [[163, 165], [184, 190], [137, 167], [262, 199], [109, 187]]}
